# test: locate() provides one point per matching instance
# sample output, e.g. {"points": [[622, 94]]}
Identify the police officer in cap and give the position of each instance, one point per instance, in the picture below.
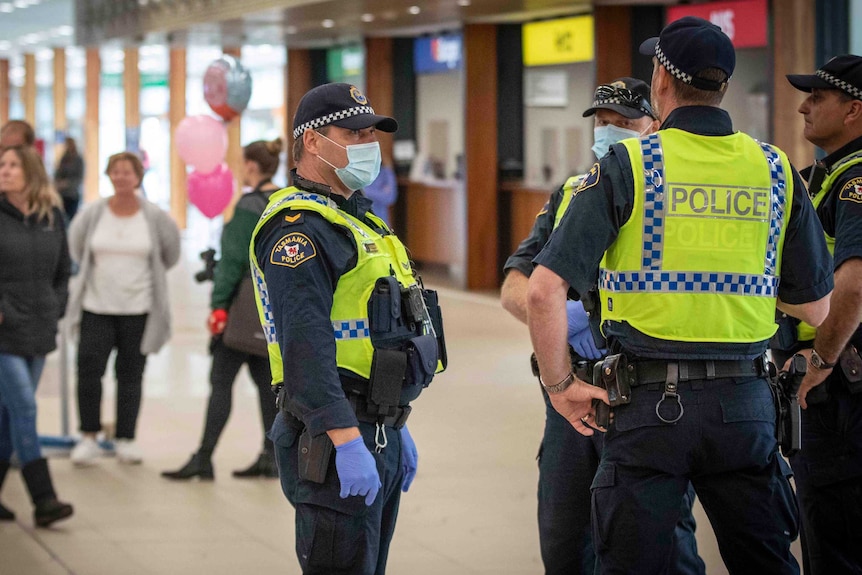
{"points": [[329, 278], [688, 231], [568, 460], [828, 469]]}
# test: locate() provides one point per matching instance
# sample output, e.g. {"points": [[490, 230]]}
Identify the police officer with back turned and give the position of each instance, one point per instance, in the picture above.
{"points": [[688, 232], [352, 338], [828, 469]]}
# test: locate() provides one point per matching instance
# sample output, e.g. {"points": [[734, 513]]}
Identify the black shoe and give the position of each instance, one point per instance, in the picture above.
{"points": [[6, 514], [50, 510], [196, 467], [263, 467]]}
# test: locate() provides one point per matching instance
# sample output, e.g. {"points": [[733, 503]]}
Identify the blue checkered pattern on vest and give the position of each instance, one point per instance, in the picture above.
{"points": [[651, 278], [268, 319], [351, 329]]}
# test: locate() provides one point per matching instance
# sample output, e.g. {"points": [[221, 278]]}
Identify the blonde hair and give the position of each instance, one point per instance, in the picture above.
{"points": [[137, 165], [41, 197]]}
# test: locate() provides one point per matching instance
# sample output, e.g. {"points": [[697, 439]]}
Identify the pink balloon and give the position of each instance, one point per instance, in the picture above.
{"points": [[211, 193], [201, 142]]}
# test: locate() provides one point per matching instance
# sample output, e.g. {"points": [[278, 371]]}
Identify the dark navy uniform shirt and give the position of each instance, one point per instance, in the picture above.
{"points": [[301, 298], [840, 212], [594, 217]]}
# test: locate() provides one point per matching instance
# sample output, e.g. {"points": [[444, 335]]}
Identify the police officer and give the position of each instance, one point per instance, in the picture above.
{"points": [[568, 460], [688, 231], [347, 349], [828, 469]]}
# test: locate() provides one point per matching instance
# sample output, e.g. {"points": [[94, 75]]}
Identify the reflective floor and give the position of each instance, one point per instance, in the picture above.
{"points": [[471, 509]]}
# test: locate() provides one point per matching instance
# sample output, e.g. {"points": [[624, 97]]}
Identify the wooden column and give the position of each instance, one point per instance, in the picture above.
{"points": [[234, 148], [176, 113], [28, 94], [298, 83], [60, 122], [5, 88], [132, 93], [378, 85], [793, 50], [91, 126], [613, 42], [480, 150]]}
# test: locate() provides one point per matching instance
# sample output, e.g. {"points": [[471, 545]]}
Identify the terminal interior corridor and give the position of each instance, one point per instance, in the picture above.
{"points": [[471, 509]]}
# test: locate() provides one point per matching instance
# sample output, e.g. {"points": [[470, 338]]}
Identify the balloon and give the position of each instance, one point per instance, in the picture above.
{"points": [[211, 193], [201, 142], [227, 87]]}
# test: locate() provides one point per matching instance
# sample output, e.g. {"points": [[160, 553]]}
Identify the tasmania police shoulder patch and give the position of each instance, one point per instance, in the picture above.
{"points": [[852, 191], [590, 180], [292, 250]]}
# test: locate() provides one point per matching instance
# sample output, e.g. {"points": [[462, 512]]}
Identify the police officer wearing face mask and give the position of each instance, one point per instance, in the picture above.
{"points": [[696, 234], [568, 460], [352, 338]]}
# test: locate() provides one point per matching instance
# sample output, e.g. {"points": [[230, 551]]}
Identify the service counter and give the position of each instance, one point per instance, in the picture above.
{"points": [[432, 215]]}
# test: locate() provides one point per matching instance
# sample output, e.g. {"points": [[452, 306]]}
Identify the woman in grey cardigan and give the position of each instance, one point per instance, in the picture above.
{"points": [[119, 300]]}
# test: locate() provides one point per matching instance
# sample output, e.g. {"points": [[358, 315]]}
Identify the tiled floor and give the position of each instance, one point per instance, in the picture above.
{"points": [[471, 510]]}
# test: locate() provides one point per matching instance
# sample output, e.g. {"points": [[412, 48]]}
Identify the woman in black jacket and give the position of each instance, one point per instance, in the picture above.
{"points": [[68, 178], [34, 272]]}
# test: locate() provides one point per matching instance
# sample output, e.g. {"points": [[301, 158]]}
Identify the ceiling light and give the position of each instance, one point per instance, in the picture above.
{"points": [[65, 30], [6, 7], [463, 2], [328, 23], [5, 45], [368, 17], [20, 3], [414, 10]]}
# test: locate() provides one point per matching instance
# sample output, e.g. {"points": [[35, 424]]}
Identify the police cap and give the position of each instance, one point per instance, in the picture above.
{"points": [[839, 73], [341, 105], [690, 45], [626, 96]]}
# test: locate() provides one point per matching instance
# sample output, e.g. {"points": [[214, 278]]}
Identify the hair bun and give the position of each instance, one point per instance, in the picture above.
{"points": [[274, 147]]}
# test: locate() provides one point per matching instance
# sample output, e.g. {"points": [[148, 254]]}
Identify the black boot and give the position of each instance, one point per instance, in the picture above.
{"points": [[6, 514], [48, 508], [263, 467], [198, 466]]}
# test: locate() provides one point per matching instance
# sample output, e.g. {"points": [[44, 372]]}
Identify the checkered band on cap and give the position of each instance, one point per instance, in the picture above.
{"points": [[613, 100], [670, 67], [840, 84], [330, 118]]}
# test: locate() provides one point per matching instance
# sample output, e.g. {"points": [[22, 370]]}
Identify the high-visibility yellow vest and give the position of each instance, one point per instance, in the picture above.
{"points": [[699, 258], [568, 193], [806, 332], [377, 256]]}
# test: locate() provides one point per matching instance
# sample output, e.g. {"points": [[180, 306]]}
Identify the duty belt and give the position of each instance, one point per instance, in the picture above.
{"points": [[652, 372], [394, 417]]}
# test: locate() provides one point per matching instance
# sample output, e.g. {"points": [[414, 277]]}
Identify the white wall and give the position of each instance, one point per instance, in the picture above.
{"points": [[440, 97], [747, 98]]}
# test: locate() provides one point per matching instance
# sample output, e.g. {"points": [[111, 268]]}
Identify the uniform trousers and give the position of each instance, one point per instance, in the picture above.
{"points": [[724, 444], [336, 536], [828, 473], [567, 465]]}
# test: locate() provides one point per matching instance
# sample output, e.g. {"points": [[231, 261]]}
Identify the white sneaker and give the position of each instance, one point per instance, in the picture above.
{"points": [[127, 451], [85, 452]]}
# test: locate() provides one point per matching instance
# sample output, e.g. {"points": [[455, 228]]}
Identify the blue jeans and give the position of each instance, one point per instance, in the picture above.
{"points": [[18, 378]]}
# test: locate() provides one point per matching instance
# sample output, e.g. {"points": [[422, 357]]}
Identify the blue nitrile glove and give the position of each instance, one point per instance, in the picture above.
{"points": [[585, 345], [578, 318], [409, 459], [357, 470]]}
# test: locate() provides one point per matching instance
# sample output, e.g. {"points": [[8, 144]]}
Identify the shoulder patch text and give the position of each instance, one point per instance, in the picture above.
{"points": [[292, 250], [852, 191]]}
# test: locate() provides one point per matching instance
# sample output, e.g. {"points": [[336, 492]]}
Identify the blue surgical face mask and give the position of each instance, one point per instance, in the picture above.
{"points": [[605, 136], [363, 164]]}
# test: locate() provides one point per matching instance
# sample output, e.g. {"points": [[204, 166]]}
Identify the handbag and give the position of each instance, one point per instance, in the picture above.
{"points": [[243, 331]]}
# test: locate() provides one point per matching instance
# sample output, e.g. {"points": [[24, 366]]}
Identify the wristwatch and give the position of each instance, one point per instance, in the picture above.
{"points": [[560, 387], [818, 362]]}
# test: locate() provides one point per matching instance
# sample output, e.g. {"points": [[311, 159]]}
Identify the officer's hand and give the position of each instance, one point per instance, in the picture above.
{"points": [[217, 321], [575, 404], [813, 377], [357, 470], [585, 345], [578, 318], [409, 458]]}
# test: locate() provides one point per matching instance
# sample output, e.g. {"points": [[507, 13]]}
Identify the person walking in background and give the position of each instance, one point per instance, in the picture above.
{"points": [[68, 178], [124, 246], [261, 161], [383, 192], [34, 273]]}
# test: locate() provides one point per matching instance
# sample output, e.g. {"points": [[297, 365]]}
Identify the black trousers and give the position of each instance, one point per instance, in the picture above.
{"points": [[100, 335], [225, 367]]}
